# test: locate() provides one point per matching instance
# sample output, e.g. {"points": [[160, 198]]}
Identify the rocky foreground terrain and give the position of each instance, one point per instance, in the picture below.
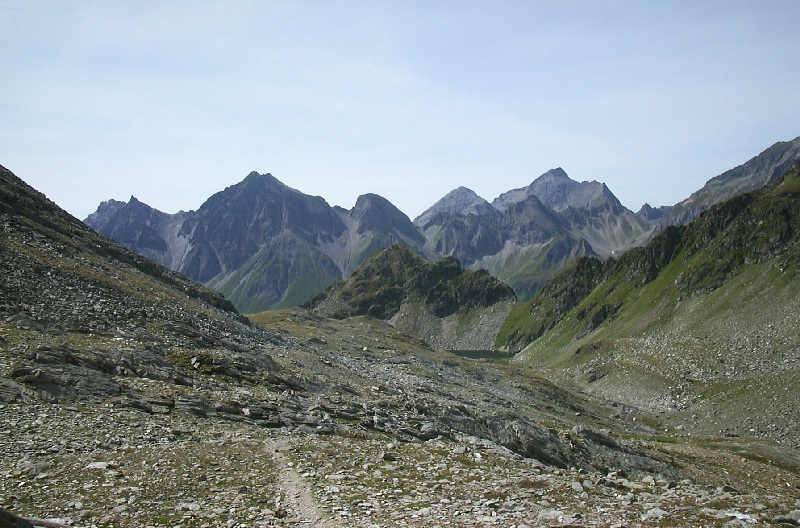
{"points": [[383, 443], [107, 465], [131, 396]]}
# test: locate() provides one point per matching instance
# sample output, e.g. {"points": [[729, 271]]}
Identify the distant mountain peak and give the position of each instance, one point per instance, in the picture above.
{"points": [[464, 194], [375, 213], [459, 201], [138, 205], [558, 191], [651, 214], [555, 174], [265, 180]]}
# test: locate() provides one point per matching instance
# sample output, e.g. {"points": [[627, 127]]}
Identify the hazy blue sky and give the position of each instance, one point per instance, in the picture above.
{"points": [[173, 101]]}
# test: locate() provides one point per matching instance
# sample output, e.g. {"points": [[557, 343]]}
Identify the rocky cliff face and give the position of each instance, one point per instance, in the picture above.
{"points": [[142, 229], [554, 189], [653, 214]]}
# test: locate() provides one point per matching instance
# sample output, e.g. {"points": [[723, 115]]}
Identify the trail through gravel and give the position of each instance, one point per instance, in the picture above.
{"points": [[295, 502]]}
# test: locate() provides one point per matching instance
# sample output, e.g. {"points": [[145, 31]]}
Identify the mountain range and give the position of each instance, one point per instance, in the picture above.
{"points": [[259, 242], [655, 387], [133, 396], [265, 245]]}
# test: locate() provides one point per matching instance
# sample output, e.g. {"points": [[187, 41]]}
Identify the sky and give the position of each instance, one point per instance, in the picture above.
{"points": [[172, 101]]}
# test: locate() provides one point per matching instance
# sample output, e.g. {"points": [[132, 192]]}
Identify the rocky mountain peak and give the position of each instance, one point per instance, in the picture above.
{"points": [[557, 176], [134, 204], [266, 179], [558, 191], [375, 213], [249, 192], [556, 179], [460, 201], [105, 211], [651, 214]]}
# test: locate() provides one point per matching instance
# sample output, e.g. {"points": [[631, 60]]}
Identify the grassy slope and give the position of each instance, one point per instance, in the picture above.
{"points": [[710, 339]]}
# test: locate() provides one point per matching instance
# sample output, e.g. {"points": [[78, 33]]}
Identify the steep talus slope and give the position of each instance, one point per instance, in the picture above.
{"points": [[80, 297], [701, 323], [443, 303]]}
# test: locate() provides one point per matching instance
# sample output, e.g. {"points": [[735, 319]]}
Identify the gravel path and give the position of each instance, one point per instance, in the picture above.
{"points": [[294, 503]]}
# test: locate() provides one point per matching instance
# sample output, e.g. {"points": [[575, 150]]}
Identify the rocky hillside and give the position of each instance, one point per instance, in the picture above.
{"points": [[444, 304], [754, 174], [701, 324], [131, 396]]}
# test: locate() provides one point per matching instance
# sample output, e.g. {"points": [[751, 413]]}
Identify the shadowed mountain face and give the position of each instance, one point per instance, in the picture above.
{"points": [[700, 322], [231, 226]]}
